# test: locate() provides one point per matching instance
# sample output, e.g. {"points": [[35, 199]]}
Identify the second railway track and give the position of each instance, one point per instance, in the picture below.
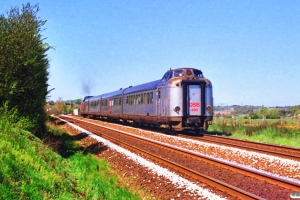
{"points": [[274, 150]]}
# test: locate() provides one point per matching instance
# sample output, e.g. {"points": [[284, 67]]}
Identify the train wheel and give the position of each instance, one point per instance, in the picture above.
{"points": [[199, 132], [169, 130]]}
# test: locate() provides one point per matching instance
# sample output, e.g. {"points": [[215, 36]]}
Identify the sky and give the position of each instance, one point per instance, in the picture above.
{"points": [[249, 50]]}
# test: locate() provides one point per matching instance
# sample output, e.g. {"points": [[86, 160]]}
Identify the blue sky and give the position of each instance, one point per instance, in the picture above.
{"points": [[250, 50]]}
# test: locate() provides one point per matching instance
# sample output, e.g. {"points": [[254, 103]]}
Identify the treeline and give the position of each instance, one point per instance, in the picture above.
{"points": [[24, 64], [275, 113], [258, 112], [62, 107]]}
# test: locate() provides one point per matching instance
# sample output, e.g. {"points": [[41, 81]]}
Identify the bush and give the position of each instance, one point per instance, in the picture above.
{"points": [[10, 118], [24, 64]]}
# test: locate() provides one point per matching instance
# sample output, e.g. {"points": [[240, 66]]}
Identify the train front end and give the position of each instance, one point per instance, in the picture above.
{"points": [[191, 100]]}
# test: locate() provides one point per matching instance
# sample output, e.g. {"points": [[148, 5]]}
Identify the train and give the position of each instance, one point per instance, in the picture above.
{"points": [[182, 100]]}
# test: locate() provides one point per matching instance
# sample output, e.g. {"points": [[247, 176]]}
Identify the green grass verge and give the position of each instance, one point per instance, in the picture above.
{"points": [[267, 134], [30, 170]]}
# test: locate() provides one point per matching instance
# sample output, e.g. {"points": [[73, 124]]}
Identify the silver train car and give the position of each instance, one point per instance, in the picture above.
{"points": [[181, 100]]}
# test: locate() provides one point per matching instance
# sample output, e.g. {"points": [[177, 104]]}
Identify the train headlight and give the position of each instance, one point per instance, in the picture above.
{"points": [[209, 108], [177, 109]]}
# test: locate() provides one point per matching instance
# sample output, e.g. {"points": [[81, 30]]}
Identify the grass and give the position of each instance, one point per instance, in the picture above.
{"points": [[243, 120], [30, 170], [272, 134]]}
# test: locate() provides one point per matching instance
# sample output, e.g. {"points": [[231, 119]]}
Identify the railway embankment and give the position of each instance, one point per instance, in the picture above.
{"points": [[32, 170]]}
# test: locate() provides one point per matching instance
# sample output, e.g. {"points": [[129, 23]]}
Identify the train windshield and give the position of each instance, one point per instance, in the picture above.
{"points": [[177, 72], [167, 76], [198, 73]]}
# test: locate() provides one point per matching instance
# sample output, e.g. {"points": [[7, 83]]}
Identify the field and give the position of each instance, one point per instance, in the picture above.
{"points": [[284, 131]]}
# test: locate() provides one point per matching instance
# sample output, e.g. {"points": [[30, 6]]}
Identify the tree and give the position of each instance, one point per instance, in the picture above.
{"points": [[263, 110], [77, 101], [60, 104], [24, 63], [253, 115], [273, 113], [294, 109]]}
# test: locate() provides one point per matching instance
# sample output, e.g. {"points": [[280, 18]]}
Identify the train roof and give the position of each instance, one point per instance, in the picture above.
{"points": [[146, 86], [86, 98], [143, 87], [112, 94]]}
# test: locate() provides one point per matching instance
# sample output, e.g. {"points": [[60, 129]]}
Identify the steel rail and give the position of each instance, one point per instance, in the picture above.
{"points": [[239, 169], [282, 151], [220, 185]]}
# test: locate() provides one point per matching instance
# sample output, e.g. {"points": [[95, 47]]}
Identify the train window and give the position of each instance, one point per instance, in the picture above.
{"points": [[142, 98], [93, 104], [138, 96], [148, 97], [178, 72], [167, 76], [151, 98], [198, 73]]}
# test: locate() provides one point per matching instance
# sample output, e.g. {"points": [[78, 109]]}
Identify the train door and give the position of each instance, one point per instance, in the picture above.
{"points": [[158, 103], [194, 99], [86, 106]]}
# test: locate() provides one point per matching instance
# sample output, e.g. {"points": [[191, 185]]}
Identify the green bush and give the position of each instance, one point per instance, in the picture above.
{"points": [[24, 64]]}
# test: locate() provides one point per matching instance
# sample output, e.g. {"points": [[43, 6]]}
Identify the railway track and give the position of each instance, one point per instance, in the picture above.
{"points": [[270, 149], [180, 160]]}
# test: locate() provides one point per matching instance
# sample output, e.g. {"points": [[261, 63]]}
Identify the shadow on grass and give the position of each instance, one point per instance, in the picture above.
{"points": [[67, 145]]}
